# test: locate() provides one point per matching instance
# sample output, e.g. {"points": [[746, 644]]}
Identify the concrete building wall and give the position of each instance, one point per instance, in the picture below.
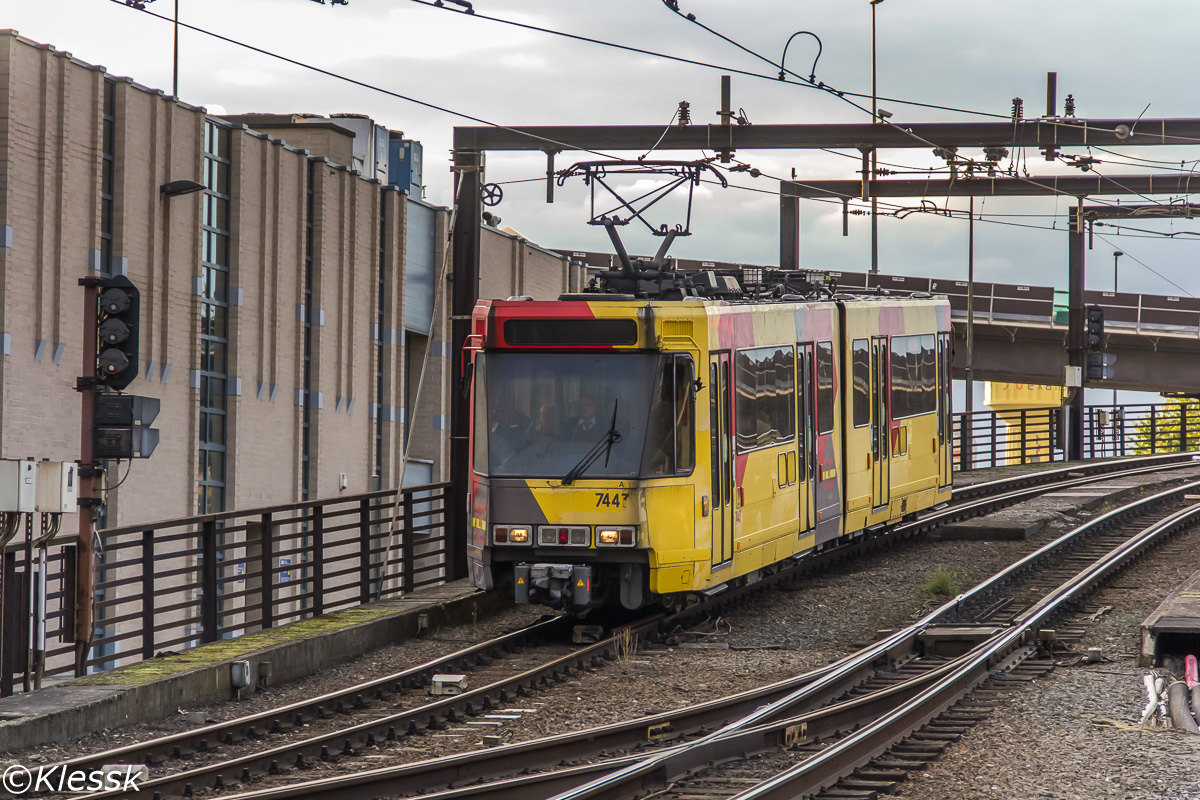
{"points": [[518, 267], [268, 223], [351, 304], [345, 293], [321, 138], [155, 240]]}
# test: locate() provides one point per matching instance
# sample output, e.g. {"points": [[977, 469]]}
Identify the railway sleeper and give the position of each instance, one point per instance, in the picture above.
{"points": [[877, 773], [923, 750], [847, 794], [883, 787], [901, 764]]}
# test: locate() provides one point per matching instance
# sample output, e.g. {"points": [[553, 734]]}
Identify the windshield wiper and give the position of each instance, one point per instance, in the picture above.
{"points": [[604, 446]]}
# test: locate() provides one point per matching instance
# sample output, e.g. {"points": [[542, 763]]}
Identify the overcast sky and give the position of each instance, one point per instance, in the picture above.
{"points": [[1114, 57]]}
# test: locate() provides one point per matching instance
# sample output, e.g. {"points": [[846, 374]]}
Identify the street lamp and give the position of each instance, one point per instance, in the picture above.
{"points": [[875, 121]]}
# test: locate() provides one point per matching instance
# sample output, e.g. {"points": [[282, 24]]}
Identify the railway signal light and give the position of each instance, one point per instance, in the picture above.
{"points": [[1101, 367], [117, 332], [1094, 331], [121, 426]]}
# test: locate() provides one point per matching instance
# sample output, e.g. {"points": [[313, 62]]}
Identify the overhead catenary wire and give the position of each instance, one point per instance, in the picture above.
{"points": [[673, 5], [444, 109], [473, 14], [567, 145], [1145, 265], [363, 84]]}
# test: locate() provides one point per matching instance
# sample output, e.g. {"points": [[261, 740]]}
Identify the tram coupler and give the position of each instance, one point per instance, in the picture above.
{"points": [[554, 584]]}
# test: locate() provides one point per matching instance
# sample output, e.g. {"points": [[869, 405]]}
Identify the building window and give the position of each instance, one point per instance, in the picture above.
{"points": [[107, 137], [214, 319]]}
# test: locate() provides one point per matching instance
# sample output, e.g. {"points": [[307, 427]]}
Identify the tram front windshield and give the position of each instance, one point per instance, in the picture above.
{"points": [[538, 415]]}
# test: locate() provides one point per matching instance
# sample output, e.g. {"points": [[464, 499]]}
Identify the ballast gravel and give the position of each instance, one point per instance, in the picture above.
{"points": [[1071, 734]]}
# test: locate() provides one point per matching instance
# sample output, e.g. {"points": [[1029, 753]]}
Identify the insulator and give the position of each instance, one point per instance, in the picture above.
{"points": [[1070, 105], [1018, 106], [685, 113]]}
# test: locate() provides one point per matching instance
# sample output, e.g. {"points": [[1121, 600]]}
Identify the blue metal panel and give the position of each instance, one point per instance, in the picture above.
{"points": [[404, 164], [419, 267]]}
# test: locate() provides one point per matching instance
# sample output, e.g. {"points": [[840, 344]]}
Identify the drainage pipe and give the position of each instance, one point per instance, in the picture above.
{"points": [[1181, 715]]}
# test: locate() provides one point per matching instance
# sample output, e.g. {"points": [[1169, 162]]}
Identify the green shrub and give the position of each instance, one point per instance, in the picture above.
{"points": [[943, 583]]}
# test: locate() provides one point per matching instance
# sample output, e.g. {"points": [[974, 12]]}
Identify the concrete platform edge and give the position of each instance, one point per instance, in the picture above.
{"points": [[73, 710]]}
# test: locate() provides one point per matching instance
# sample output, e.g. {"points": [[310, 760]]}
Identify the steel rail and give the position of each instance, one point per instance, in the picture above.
{"points": [[827, 683], [706, 750], [1038, 477], [253, 725], [812, 689], [331, 744], [841, 758]]}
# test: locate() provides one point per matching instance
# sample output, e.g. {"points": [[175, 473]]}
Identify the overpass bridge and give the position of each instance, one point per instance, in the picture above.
{"points": [[1020, 330]]}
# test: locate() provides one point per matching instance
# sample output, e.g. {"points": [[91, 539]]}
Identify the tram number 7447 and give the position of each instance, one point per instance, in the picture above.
{"points": [[612, 499]]}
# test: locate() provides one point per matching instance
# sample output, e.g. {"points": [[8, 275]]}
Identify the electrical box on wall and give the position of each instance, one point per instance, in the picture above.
{"points": [[18, 486], [57, 487]]}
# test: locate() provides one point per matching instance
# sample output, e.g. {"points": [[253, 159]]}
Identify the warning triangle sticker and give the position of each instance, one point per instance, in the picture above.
{"points": [[520, 581]]}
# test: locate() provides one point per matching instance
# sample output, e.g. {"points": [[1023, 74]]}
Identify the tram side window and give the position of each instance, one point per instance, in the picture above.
{"points": [[914, 375], [862, 383], [825, 387], [765, 380], [670, 438]]}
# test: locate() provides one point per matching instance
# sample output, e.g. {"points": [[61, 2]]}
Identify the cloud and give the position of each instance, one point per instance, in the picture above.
{"points": [[968, 56]]}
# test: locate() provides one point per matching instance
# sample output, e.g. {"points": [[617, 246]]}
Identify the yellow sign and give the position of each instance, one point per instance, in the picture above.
{"points": [[1026, 409], [1016, 396], [580, 583], [520, 581]]}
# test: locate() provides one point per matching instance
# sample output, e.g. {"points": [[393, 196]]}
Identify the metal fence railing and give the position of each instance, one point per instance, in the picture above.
{"points": [[1001, 438], [171, 585]]}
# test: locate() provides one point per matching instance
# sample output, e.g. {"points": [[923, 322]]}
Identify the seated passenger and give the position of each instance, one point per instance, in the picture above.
{"points": [[585, 427], [546, 425]]}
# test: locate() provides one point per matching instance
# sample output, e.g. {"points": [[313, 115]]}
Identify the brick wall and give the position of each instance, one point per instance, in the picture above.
{"points": [[51, 124]]}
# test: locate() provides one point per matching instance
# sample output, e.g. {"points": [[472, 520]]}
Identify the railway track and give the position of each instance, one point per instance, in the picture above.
{"points": [[869, 685], [288, 750]]}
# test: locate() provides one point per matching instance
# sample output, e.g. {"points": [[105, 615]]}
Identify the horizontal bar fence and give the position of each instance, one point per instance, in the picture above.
{"points": [[1000, 438], [167, 586]]}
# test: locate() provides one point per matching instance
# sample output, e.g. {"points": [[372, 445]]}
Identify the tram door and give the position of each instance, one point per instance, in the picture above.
{"points": [[721, 459], [806, 438], [880, 423]]}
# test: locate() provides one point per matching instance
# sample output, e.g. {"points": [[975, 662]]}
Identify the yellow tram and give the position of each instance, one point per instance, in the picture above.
{"points": [[642, 447]]}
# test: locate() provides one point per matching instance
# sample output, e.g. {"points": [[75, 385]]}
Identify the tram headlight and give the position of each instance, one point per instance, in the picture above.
{"points": [[616, 537], [508, 534]]}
